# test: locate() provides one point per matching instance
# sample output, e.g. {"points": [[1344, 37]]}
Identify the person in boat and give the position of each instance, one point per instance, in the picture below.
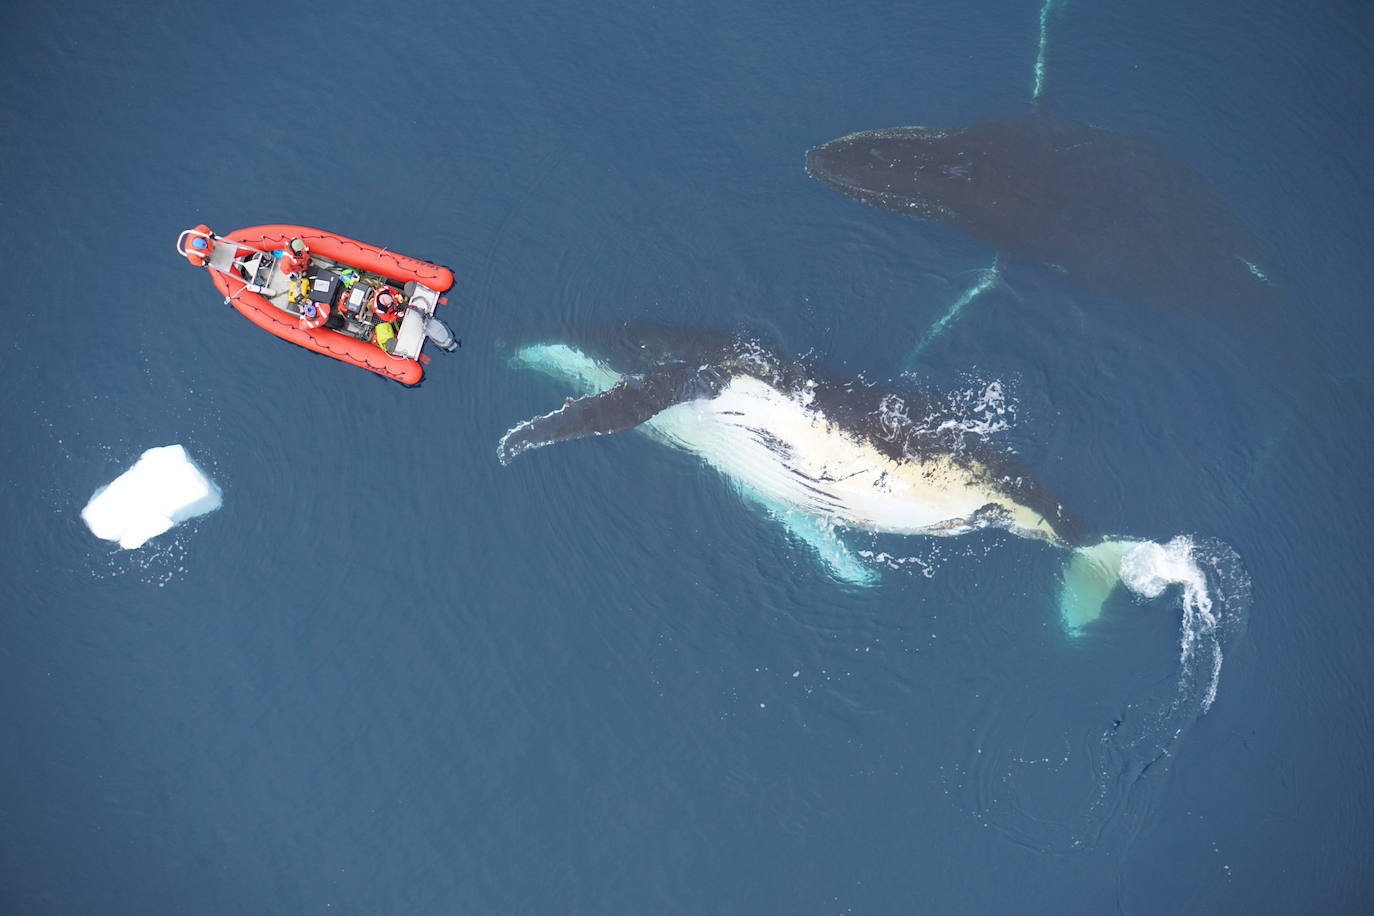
{"points": [[310, 313], [386, 302], [294, 258], [201, 246]]}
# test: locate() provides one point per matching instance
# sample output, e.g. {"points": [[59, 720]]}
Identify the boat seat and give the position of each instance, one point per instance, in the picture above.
{"points": [[421, 301], [222, 258]]}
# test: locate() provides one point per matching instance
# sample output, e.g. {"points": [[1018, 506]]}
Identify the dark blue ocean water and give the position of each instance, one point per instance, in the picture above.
{"points": [[392, 676]]}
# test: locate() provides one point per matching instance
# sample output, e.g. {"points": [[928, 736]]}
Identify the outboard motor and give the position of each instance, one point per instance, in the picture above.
{"points": [[438, 332]]}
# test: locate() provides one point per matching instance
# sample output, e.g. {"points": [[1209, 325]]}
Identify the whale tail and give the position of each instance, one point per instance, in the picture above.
{"points": [[1092, 575], [1215, 593]]}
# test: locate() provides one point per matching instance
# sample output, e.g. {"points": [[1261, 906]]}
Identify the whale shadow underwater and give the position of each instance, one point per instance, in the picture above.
{"points": [[1114, 212], [822, 452]]}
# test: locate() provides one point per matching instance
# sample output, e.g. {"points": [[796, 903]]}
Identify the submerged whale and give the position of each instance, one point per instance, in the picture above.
{"points": [[817, 451], [1115, 212]]}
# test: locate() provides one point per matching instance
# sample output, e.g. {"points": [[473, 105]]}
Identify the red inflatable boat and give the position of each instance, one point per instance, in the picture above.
{"points": [[368, 306]]}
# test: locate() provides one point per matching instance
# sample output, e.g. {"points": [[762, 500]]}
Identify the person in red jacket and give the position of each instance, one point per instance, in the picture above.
{"points": [[386, 302], [294, 259]]}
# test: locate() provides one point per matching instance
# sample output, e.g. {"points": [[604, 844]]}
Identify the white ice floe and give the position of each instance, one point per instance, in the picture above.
{"points": [[162, 489]]}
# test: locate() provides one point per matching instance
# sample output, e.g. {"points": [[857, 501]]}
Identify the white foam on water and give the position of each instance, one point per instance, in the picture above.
{"points": [[164, 488], [983, 411], [1147, 569]]}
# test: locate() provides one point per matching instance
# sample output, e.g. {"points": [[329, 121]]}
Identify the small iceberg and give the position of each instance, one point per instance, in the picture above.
{"points": [[164, 488]]}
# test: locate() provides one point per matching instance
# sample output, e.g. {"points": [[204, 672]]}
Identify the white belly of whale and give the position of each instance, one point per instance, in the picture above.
{"points": [[775, 448]]}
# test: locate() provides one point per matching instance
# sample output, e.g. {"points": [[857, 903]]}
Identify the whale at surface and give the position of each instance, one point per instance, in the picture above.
{"points": [[1115, 212], [818, 452]]}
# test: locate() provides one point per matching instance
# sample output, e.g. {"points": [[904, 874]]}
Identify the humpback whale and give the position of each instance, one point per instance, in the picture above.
{"points": [[817, 451], [1114, 212]]}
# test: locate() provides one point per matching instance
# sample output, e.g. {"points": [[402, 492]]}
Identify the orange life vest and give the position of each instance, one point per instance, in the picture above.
{"points": [[321, 314]]}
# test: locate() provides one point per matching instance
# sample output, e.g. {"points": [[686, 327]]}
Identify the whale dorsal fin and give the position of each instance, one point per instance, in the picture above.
{"points": [[626, 404]]}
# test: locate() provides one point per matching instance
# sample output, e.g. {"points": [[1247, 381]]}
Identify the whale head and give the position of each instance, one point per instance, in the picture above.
{"points": [[906, 169]]}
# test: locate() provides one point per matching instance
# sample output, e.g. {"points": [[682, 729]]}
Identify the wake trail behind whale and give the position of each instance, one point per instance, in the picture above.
{"points": [[1210, 610], [1023, 782]]}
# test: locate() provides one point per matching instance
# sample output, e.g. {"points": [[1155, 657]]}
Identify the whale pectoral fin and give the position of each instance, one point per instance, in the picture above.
{"points": [[625, 405], [820, 536]]}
